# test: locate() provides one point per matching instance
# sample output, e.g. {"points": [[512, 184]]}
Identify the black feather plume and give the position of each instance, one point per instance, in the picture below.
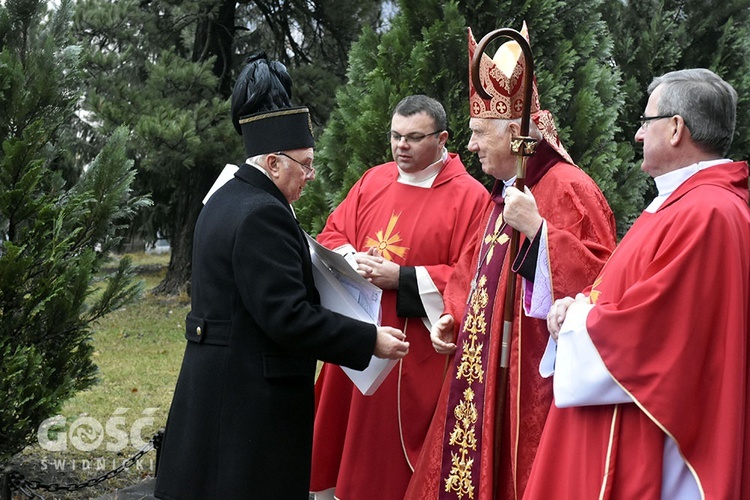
{"points": [[261, 86]]}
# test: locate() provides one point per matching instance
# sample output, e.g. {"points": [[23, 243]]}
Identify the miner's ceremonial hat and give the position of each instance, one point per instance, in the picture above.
{"points": [[262, 112]]}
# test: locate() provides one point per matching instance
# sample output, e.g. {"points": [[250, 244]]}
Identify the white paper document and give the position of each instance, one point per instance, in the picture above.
{"points": [[225, 176], [344, 291]]}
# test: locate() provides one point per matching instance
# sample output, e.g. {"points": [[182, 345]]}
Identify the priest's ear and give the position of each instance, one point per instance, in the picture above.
{"points": [[443, 138], [679, 130], [514, 128]]}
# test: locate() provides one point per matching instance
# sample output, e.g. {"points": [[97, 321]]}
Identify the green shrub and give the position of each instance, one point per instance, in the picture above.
{"points": [[54, 234]]}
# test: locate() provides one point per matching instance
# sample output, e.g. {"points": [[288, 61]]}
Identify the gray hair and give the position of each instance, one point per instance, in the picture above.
{"points": [[413, 104], [707, 103], [502, 126], [257, 159]]}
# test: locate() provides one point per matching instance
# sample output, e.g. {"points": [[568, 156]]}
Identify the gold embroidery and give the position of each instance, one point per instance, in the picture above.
{"points": [[463, 435], [386, 243], [594, 295], [471, 358], [497, 237]]}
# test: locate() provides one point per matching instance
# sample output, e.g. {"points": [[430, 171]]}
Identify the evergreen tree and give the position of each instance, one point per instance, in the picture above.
{"points": [[54, 236], [164, 69], [152, 67], [653, 37], [426, 52]]}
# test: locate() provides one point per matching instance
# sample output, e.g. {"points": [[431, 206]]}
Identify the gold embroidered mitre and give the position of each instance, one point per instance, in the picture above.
{"points": [[502, 77]]}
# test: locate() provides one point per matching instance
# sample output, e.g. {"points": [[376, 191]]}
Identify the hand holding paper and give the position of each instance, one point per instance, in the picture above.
{"points": [[391, 343], [344, 291]]}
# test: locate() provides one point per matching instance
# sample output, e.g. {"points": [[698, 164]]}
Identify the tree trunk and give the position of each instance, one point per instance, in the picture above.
{"points": [[214, 37], [177, 280]]}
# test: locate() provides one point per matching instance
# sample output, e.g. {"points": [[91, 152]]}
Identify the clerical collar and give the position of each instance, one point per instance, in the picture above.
{"points": [[667, 183], [498, 189], [425, 177]]}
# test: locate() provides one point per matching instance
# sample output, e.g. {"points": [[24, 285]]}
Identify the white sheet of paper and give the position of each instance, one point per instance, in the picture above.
{"points": [[225, 176], [344, 291]]}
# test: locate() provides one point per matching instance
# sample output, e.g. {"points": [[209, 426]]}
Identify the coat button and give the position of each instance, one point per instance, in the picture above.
{"points": [[198, 331]]}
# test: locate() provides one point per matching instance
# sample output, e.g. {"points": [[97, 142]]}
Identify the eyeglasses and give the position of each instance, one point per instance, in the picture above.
{"points": [[308, 169], [410, 138], [645, 119]]}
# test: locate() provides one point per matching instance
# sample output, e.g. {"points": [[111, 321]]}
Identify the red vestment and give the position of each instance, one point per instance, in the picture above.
{"points": [[580, 237], [366, 446], [671, 322]]}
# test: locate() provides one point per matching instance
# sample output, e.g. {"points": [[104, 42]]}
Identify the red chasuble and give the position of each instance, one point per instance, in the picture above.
{"points": [[366, 446], [581, 236], [671, 322]]}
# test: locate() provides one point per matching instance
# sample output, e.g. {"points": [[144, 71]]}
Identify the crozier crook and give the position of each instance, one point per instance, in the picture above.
{"points": [[522, 146]]}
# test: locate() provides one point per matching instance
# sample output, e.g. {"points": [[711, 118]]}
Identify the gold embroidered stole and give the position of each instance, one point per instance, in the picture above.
{"points": [[464, 417]]}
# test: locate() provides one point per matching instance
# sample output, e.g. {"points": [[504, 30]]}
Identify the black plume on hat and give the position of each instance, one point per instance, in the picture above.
{"points": [[263, 85], [262, 112]]}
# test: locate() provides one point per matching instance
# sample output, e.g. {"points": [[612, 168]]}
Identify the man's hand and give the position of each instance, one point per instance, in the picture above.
{"points": [[521, 212], [442, 335], [390, 343], [378, 270], [558, 312]]}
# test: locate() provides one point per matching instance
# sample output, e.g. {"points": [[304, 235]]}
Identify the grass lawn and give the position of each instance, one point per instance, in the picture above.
{"points": [[138, 350]]}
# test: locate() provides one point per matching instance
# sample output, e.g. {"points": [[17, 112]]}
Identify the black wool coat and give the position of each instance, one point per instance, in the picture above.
{"points": [[240, 425]]}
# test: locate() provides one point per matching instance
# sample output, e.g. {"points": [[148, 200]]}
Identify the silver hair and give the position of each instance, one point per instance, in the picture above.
{"points": [[257, 159], [502, 126], [707, 103]]}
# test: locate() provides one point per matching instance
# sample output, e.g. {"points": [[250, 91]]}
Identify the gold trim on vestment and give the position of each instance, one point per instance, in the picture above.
{"points": [[609, 451], [398, 406], [463, 435]]}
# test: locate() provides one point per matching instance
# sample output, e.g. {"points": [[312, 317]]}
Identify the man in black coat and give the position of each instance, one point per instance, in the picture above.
{"points": [[241, 421]]}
